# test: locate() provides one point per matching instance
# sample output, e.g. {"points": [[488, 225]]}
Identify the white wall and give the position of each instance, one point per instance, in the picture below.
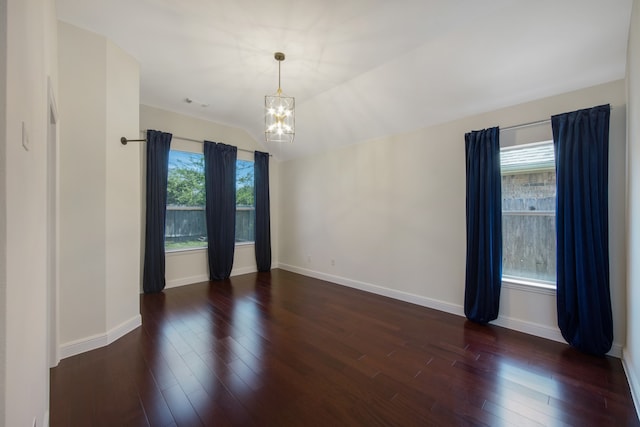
{"points": [[82, 66], [390, 214], [186, 267], [3, 203], [122, 192], [99, 195], [30, 37], [632, 350]]}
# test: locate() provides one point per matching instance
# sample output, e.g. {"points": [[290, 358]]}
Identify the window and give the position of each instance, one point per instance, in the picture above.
{"points": [[245, 205], [186, 226], [528, 213]]}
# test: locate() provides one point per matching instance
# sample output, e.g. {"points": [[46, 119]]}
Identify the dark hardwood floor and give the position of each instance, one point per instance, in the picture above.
{"points": [[280, 349]]}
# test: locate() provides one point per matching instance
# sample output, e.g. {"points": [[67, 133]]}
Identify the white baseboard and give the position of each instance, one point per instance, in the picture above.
{"points": [[544, 331], [535, 329], [616, 350], [182, 281], [379, 290], [632, 378], [123, 329], [99, 340], [82, 345], [531, 328], [243, 270]]}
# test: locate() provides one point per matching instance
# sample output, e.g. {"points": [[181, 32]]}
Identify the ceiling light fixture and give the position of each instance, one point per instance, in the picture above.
{"points": [[279, 113]]}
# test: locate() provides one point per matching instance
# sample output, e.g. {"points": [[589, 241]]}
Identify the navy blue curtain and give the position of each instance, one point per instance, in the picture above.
{"points": [[158, 145], [220, 190], [263, 216], [581, 141], [484, 226]]}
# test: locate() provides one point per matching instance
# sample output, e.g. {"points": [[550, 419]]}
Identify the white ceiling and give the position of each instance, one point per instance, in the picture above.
{"points": [[359, 69]]}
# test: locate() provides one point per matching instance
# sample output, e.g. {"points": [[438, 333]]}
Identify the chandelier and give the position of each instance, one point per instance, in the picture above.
{"points": [[279, 113]]}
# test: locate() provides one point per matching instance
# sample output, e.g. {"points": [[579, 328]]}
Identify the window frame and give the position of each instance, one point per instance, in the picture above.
{"points": [[245, 158], [188, 150], [196, 148], [524, 283]]}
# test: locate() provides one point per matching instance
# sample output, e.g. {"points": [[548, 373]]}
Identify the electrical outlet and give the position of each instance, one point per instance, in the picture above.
{"points": [[333, 262], [308, 258]]}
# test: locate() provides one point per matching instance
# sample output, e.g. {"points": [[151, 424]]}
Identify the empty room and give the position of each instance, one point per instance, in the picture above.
{"points": [[289, 213]]}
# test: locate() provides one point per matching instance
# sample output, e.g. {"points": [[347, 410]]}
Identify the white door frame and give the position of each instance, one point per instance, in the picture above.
{"points": [[52, 230]]}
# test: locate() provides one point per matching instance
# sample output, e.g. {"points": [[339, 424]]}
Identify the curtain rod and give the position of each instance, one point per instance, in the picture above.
{"points": [[537, 122], [524, 125], [124, 140]]}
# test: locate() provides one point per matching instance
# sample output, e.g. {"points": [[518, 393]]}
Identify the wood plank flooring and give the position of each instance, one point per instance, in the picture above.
{"points": [[281, 349]]}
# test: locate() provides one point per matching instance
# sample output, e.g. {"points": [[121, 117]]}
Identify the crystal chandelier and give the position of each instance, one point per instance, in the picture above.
{"points": [[279, 113]]}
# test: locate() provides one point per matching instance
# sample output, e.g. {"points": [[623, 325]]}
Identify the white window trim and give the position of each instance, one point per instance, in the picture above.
{"points": [[518, 283], [202, 249], [245, 243], [545, 288], [196, 149], [182, 250]]}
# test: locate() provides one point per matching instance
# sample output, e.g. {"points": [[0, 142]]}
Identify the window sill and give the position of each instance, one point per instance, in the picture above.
{"points": [[202, 249], [529, 286], [245, 243], [184, 250]]}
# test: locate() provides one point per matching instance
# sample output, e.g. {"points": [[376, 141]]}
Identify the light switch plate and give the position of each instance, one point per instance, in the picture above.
{"points": [[25, 136]]}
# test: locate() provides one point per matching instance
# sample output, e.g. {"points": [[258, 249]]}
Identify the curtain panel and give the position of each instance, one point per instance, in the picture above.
{"points": [[484, 225], [158, 146], [581, 142], [220, 209], [263, 215]]}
